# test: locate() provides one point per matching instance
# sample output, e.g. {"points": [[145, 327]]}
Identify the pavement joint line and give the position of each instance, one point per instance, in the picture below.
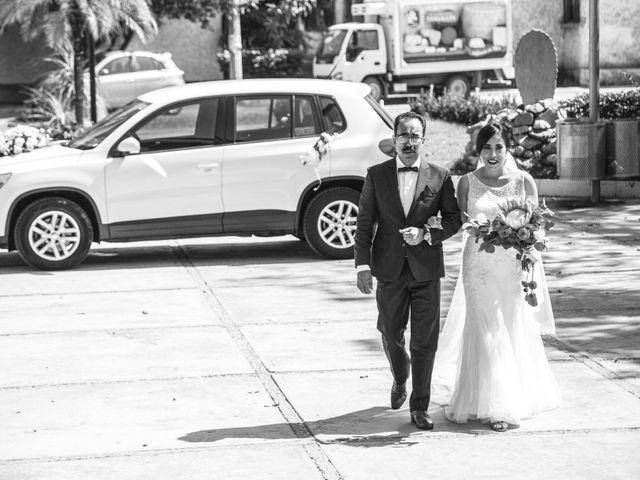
{"points": [[417, 436], [299, 428], [92, 292], [151, 452], [112, 331], [223, 375], [593, 364], [477, 432], [125, 381], [589, 272]]}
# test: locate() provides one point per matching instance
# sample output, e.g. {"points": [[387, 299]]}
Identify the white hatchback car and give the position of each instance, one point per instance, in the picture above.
{"points": [[121, 76], [204, 159]]}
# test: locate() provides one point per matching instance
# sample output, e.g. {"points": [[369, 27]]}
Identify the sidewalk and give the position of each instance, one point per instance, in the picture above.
{"points": [[254, 359]]}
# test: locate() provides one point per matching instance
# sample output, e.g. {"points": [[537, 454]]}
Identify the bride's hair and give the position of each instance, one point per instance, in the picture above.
{"points": [[489, 131]]}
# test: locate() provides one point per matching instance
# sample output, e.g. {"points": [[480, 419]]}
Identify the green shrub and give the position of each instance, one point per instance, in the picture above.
{"points": [[455, 109], [613, 105]]}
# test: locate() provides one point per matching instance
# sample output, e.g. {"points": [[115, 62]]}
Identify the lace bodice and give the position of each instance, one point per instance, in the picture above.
{"points": [[484, 199]]}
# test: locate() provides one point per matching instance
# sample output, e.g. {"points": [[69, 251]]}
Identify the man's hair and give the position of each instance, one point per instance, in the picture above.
{"points": [[408, 116], [489, 131]]}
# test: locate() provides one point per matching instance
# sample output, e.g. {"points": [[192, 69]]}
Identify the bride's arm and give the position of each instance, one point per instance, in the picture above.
{"points": [[461, 194], [530, 188]]}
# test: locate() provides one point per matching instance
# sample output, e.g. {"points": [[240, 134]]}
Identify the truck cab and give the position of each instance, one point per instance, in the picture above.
{"points": [[404, 46], [355, 52]]}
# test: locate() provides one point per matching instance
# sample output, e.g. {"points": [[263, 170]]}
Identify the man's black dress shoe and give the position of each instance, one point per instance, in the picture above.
{"points": [[422, 420], [398, 395]]}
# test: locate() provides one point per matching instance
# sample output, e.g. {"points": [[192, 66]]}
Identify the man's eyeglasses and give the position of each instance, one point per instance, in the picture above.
{"points": [[413, 139]]}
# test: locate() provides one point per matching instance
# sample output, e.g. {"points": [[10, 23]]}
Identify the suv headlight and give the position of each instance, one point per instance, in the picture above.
{"points": [[4, 178]]}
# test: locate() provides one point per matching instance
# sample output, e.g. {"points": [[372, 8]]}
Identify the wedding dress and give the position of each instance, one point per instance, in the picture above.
{"points": [[491, 364]]}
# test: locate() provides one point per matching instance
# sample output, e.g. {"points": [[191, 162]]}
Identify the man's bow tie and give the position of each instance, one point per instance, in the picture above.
{"points": [[408, 169]]}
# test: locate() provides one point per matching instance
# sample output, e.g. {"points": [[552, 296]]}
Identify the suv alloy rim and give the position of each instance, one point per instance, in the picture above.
{"points": [[54, 235], [337, 224]]}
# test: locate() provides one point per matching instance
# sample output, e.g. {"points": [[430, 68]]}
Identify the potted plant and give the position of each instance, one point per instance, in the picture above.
{"points": [[621, 114]]}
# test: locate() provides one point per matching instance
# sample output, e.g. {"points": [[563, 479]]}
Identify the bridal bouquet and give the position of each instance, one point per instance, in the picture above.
{"points": [[521, 225]]}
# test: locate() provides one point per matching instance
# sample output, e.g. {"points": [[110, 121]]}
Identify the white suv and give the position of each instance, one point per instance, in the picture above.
{"points": [[205, 159]]}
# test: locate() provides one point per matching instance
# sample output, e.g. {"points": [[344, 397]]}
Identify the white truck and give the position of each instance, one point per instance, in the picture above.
{"points": [[403, 46]]}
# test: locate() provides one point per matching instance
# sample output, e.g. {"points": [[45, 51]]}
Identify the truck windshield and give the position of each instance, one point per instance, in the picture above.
{"points": [[330, 46]]}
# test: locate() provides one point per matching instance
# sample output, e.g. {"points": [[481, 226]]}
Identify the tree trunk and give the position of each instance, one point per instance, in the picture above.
{"points": [[78, 54], [235, 42], [340, 11], [92, 77]]}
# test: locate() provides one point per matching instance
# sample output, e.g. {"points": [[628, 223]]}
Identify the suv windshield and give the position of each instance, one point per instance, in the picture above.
{"points": [[102, 129], [330, 46], [382, 113]]}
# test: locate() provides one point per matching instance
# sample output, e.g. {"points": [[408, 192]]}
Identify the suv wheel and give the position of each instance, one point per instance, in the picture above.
{"points": [[330, 222], [53, 234]]}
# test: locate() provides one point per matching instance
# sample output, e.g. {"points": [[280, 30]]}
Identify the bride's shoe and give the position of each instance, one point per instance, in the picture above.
{"points": [[499, 426]]}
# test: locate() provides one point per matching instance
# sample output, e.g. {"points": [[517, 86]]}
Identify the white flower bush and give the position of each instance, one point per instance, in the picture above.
{"points": [[22, 138]]}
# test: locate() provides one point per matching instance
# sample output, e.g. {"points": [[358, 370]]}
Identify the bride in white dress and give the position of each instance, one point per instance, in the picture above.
{"points": [[490, 357]]}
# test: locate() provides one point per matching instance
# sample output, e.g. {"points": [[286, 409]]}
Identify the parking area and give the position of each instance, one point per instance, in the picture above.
{"points": [[254, 358]]}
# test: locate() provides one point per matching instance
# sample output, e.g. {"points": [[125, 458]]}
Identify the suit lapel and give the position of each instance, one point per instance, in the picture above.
{"points": [[423, 181], [392, 179]]}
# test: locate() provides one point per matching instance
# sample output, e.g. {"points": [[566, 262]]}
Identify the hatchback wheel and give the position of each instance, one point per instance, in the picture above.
{"points": [[330, 222], [53, 234]]}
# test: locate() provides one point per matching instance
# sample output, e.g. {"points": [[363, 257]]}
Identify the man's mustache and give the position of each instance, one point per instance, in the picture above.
{"points": [[410, 149]]}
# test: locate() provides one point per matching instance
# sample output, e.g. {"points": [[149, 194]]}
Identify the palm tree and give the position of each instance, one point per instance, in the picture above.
{"points": [[62, 22]]}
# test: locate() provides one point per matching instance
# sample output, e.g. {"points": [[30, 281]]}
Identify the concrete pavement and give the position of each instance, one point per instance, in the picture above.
{"points": [[245, 358]]}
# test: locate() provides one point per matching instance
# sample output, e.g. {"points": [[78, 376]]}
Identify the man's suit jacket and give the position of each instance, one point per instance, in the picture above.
{"points": [[379, 243]]}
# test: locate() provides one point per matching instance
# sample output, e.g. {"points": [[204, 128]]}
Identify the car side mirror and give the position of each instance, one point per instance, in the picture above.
{"points": [[104, 71], [128, 146], [387, 147]]}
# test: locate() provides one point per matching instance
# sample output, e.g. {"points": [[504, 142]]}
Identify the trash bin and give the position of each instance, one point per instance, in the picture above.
{"points": [[581, 150], [623, 148]]}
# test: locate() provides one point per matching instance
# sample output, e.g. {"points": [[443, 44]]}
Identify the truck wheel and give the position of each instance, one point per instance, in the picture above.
{"points": [[53, 234], [330, 222], [458, 86], [377, 90]]}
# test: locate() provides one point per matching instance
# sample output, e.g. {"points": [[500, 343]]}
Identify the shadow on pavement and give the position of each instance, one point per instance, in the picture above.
{"points": [[162, 255], [372, 427]]}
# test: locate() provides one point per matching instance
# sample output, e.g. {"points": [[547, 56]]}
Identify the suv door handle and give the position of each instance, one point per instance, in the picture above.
{"points": [[208, 166]]}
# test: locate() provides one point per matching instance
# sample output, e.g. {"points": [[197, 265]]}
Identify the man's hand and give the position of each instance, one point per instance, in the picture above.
{"points": [[412, 235], [365, 282]]}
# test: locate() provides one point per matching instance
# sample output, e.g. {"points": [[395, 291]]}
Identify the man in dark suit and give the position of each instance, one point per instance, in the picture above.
{"points": [[407, 208]]}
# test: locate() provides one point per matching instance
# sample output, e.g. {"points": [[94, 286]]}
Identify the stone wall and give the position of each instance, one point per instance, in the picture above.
{"points": [[532, 133], [22, 63], [194, 49]]}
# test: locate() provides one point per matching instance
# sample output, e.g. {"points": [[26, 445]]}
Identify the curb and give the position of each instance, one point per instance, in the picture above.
{"points": [[582, 188]]}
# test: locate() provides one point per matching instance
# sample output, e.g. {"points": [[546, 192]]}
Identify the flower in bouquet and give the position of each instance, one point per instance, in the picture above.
{"points": [[315, 153], [521, 225], [22, 138]]}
